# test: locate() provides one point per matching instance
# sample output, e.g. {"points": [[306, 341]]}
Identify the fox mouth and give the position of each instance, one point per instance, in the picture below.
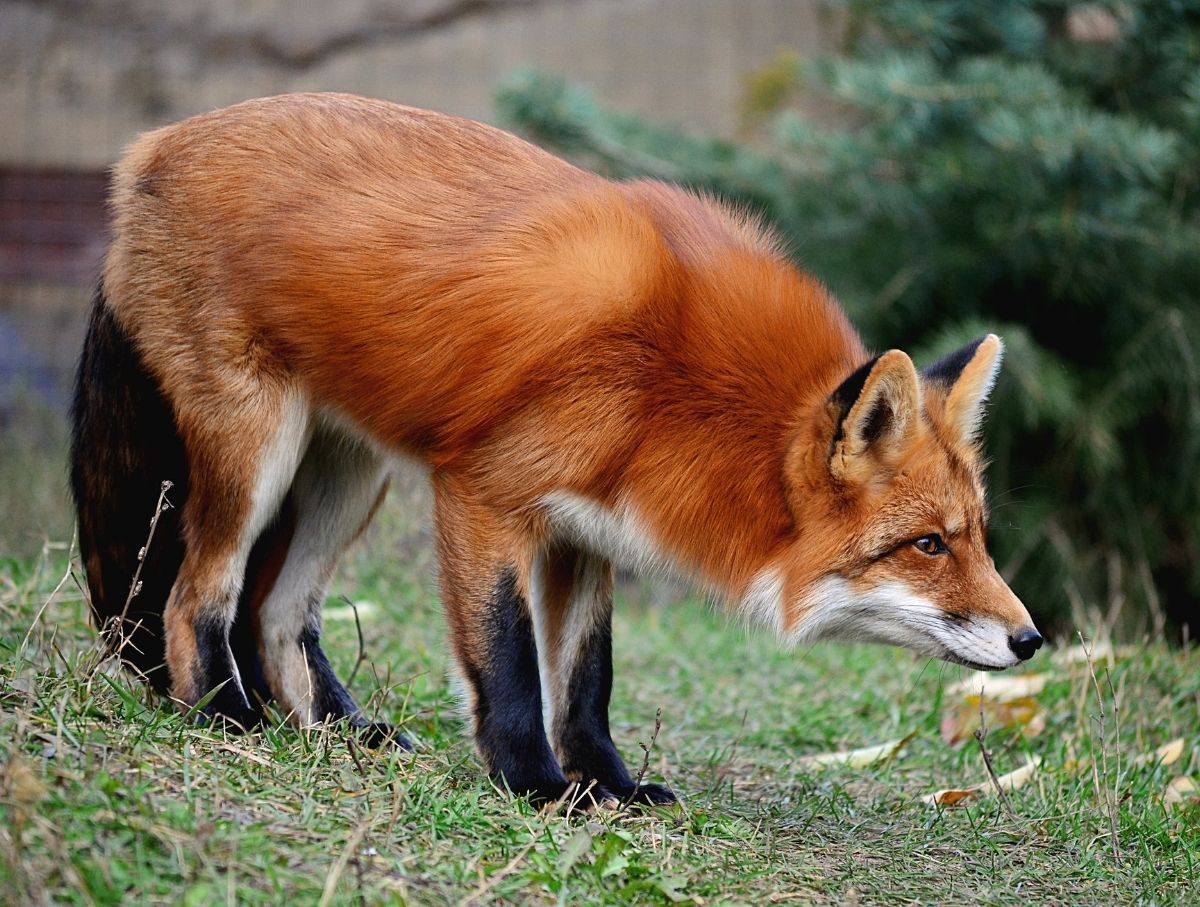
{"points": [[978, 639], [973, 665]]}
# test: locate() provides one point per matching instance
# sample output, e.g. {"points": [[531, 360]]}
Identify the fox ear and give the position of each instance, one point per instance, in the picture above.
{"points": [[880, 412], [967, 375]]}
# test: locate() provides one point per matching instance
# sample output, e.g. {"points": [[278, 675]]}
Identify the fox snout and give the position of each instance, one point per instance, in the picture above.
{"points": [[998, 632], [1021, 634], [985, 643]]}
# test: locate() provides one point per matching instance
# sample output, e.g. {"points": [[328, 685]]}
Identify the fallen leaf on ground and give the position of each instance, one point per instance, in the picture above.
{"points": [[1008, 783], [1019, 777], [859, 758], [1179, 791], [1167, 754], [960, 721], [1000, 687], [951, 797]]}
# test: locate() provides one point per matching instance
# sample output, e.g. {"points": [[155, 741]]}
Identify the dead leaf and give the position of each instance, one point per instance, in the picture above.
{"points": [[1020, 777], [859, 758], [1181, 791], [951, 797], [1008, 783], [960, 721], [1167, 754], [1000, 687]]}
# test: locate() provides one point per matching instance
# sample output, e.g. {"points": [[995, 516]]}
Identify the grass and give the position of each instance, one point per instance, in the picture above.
{"points": [[107, 796], [33, 473]]}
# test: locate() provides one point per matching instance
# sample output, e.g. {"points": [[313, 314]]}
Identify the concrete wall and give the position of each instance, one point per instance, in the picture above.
{"points": [[78, 79]]}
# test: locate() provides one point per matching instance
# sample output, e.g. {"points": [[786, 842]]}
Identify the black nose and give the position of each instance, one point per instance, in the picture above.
{"points": [[1025, 642]]}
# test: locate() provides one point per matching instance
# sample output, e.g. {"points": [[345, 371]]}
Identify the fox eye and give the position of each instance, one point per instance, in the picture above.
{"points": [[931, 544]]}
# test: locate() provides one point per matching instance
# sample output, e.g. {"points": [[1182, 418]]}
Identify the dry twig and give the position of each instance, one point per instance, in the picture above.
{"points": [[646, 748], [362, 645], [980, 737], [135, 584], [1109, 800]]}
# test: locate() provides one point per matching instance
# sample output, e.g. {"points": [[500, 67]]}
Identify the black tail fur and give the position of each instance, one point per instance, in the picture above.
{"points": [[124, 445]]}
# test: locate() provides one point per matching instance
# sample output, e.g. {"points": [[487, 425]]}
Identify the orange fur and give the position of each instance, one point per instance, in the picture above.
{"points": [[528, 330]]}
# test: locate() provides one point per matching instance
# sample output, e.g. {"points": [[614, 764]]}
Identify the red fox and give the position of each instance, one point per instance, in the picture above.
{"points": [[303, 288]]}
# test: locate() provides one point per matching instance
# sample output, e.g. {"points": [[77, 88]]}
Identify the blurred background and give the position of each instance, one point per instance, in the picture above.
{"points": [[946, 167]]}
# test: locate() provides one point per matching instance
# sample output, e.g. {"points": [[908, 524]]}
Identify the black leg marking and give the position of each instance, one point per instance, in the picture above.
{"points": [[331, 700], [582, 733], [243, 643], [216, 667], [508, 701], [262, 570]]}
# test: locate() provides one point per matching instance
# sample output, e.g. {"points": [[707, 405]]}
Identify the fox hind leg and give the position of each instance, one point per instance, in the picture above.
{"points": [[240, 467], [262, 569], [573, 614], [338, 486]]}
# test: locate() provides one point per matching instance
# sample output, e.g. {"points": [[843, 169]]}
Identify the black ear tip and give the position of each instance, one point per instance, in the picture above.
{"points": [[947, 369], [847, 392]]}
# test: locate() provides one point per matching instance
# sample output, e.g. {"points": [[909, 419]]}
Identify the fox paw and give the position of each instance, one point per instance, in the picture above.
{"points": [[380, 734], [556, 794], [647, 795]]}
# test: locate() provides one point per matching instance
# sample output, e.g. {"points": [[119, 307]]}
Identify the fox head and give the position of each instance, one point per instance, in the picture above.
{"points": [[886, 486]]}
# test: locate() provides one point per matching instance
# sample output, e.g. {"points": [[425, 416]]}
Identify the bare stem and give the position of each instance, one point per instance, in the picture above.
{"points": [[135, 584], [362, 645], [1108, 799], [646, 749], [980, 736]]}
